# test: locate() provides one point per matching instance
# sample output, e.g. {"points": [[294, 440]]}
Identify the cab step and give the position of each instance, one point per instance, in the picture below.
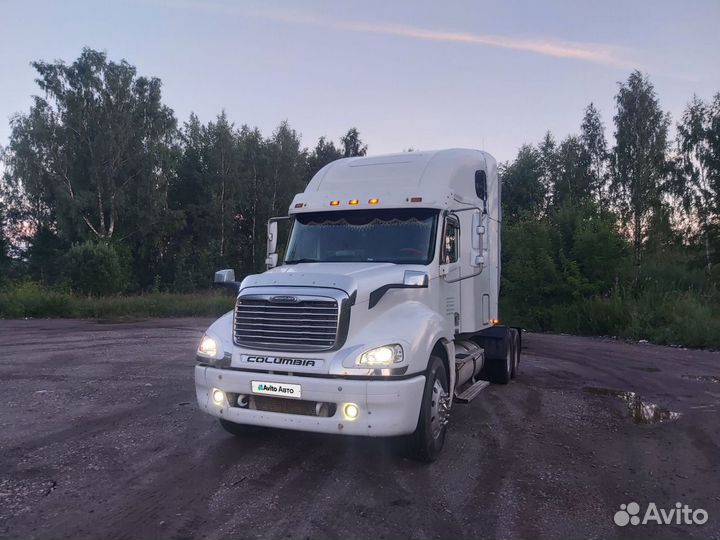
{"points": [[471, 392]]}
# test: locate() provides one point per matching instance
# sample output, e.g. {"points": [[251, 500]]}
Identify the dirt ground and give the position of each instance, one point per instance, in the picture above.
{"points": [[100, 437]]}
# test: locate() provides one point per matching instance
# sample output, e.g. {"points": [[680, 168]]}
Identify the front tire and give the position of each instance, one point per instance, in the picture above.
{"points": [[427, 441]]}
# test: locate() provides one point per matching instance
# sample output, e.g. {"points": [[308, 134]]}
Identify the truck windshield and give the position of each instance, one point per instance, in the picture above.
{"points": [[402, 236]]}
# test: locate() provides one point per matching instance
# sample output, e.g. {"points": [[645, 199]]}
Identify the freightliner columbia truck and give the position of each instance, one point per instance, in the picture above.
{"points": [[382, 313]]}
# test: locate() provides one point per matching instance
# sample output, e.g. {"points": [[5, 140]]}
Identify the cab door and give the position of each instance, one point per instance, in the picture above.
{"points": [[450, 267]]}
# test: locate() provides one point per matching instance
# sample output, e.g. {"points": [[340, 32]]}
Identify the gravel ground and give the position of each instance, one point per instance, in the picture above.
{"points": [[100, 437]]}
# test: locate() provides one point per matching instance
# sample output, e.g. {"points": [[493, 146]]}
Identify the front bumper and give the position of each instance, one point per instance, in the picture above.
{"points": [[387, 407]]}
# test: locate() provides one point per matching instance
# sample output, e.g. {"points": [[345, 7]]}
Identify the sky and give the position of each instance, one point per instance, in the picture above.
{"points": [[408, 74]]}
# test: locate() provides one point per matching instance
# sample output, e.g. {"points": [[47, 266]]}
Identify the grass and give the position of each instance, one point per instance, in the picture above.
{"points": [[31, 300], [687, 318]]}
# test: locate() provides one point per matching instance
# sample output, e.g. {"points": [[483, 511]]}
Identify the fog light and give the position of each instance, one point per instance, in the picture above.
{"points": [[218, 396], [350, 411]]}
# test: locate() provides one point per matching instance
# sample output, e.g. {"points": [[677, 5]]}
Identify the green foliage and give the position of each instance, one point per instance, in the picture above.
{"points": [[573, 254], [573, 180], [98, 163], [523, 191], [31, 299], [95, 269], [592, 137], [661, 316], [324, 152], [591, 243], [44, 253], [639, 157], [4, 248], [93, 154], [352, 145], [697, 175]]}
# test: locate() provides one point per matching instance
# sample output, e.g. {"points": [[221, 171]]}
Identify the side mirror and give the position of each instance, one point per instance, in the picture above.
{"points": [[481, 187], [226, 278], [272, 232], [271, 257]]}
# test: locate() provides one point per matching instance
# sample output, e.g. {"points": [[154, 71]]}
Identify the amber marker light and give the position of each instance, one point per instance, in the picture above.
{"points": [[334, 203], [373, 201], [353, 202]]}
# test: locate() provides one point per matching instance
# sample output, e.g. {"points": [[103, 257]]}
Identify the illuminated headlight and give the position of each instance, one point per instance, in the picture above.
{"points": [[386, 355], [208, 347]]}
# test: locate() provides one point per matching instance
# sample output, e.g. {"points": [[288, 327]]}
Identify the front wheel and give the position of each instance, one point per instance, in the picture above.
{"points": [[429, 437]]}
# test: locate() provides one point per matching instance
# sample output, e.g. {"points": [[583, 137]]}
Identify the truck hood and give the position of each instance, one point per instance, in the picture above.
{"points": [[362, 278]]}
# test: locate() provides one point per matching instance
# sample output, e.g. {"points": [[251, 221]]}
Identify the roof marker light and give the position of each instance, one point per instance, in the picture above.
{"points": [[353, 202], [299, 205], [334, 203], [373, 201], [415, 199]]}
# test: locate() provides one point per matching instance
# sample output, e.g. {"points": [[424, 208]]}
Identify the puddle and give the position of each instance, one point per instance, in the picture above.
{"points": [[641, 411], [647, 369], [703, 378]]}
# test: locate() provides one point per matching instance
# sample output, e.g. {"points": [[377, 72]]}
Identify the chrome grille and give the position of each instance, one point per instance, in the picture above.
{"points": [[305, 325]]}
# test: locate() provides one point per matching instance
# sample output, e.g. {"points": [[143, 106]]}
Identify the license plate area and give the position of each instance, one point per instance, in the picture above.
{"points": [[276, 389]]}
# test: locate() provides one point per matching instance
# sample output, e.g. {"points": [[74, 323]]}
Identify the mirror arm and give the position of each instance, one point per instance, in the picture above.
{"points": [[234, 285]]}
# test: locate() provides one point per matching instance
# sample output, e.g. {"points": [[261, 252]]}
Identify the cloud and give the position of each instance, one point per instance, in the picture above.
{"points": [[596, 53], [588, 52]]}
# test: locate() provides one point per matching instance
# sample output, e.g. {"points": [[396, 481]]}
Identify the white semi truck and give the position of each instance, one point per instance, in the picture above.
{"points": [[383, 312]]}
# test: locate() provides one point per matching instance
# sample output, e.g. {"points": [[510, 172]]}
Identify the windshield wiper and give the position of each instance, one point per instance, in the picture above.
{"points": [[296, 261]]}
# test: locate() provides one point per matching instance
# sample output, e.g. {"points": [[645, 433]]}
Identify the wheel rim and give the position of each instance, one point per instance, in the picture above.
{"points": [[439, 409]]}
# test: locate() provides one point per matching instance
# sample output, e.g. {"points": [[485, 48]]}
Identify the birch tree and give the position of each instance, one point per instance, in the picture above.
{"points": [[94, 152]]}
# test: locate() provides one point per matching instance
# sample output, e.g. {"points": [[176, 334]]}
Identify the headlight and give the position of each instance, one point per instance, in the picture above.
{"points": [[208, 347], [386, 355]]}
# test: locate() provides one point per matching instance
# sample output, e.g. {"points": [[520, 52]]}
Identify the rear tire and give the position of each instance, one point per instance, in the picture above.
{"points": [[427, 441], [501, 363], [515, 335]]}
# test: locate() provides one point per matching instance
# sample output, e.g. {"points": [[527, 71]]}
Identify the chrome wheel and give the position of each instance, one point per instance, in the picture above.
{"points": [[439, 409]]}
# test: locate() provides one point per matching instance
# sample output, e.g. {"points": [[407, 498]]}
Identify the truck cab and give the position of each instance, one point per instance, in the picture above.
{"points": [[381, 312]]}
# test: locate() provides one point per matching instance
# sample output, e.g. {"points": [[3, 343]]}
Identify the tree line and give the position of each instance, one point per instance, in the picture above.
{"points": [[618, 237], [99, 172], [101, 180]]}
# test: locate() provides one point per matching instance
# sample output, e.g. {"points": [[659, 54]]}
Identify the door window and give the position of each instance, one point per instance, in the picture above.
{"points": [[451, 240]]}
